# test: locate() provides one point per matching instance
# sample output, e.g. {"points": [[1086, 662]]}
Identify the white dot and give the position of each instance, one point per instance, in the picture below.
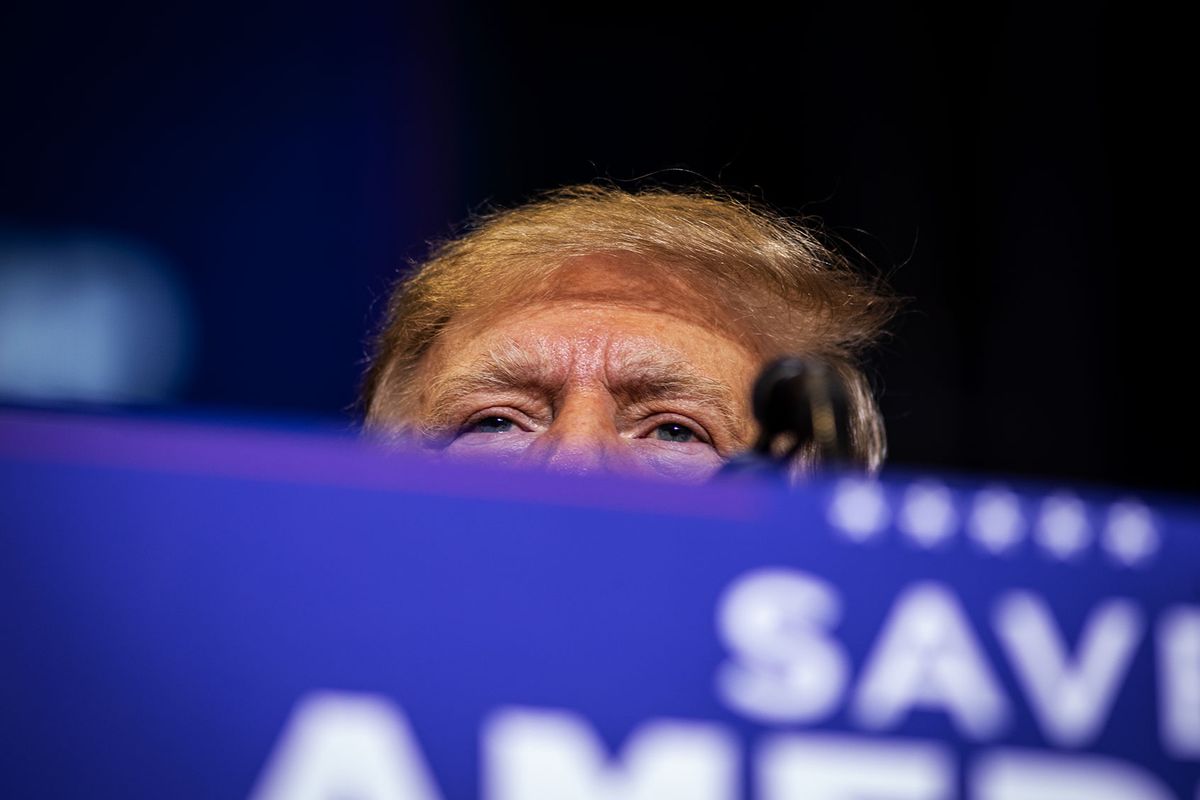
{"points": [[928, 515], [859, 509], [1062, 527], [995, 521], [1130, 535]]}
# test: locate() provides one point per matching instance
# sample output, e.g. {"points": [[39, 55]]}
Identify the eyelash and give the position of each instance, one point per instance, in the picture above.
{"points": [[697, 430], [515, 417], [660, 418]]}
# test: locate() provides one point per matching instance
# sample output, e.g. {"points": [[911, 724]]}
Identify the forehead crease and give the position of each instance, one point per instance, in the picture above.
{"points": [[633, 368], [649, 375], [506, 363], [662, 368]]}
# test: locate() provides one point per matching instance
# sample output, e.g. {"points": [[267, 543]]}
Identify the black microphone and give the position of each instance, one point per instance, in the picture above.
{"points": [[796, 401]]}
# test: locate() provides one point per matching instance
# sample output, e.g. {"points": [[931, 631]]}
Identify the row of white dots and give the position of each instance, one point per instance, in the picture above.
{"points": [[995, 521]]}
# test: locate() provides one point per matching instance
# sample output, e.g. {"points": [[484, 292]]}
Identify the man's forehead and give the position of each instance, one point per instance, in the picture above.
{"points": [[587, 349], [598, 319], [632, 368], [613, 281], [576, 336]]}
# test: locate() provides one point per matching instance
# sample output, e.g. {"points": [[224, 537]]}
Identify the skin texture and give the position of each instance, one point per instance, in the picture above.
{"points": [[611, 369]]}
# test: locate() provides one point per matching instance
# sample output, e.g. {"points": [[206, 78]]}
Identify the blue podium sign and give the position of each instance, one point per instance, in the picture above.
{"points": [[191, 612]]}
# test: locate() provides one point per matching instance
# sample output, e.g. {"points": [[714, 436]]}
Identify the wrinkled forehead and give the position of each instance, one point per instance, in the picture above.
{"points": [[539, 346], [617, 281]]}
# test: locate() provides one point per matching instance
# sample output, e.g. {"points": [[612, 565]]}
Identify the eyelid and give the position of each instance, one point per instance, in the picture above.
{"points": [[674, 418], [509, 413]]}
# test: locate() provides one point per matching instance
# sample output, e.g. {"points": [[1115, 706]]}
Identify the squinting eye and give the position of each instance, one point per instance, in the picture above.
{"points": [[674, 432], [490, 425]]}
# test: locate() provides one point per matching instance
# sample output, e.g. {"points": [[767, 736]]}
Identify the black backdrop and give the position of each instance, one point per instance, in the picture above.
{"points": [[1009, 167]]}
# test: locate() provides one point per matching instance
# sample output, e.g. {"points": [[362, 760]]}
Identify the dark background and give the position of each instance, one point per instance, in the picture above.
{"points": [[1009, 167]]}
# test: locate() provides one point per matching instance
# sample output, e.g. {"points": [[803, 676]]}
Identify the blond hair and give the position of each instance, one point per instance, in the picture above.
{"points": [[787, 290]]}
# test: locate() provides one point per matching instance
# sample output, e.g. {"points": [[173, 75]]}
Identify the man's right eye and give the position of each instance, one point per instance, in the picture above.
{"points": [[490, 425]]}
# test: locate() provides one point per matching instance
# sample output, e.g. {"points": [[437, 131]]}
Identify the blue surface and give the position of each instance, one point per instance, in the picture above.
{"points": [[171, 593]]}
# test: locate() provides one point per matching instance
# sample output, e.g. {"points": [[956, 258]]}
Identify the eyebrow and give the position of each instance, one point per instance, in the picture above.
{"points": [[636, 377]]}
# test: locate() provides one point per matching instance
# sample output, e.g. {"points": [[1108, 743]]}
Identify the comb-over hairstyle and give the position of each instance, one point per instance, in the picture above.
{"points": [[785, 290]]}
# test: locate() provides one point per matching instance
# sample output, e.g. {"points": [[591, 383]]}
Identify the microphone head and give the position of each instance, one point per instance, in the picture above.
{"points": [[806, 399], [780, 398]]}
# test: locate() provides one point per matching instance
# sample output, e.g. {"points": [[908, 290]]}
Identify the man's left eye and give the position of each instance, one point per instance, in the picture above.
{"points": [[491, 425], [674, 432]]}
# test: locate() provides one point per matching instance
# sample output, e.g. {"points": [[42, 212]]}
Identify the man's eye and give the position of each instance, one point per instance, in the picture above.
{"points": [[674, 432], [490, 425]]}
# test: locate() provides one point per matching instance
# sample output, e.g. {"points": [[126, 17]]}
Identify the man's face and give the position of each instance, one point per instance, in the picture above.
{"points": [[617, 369]]}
